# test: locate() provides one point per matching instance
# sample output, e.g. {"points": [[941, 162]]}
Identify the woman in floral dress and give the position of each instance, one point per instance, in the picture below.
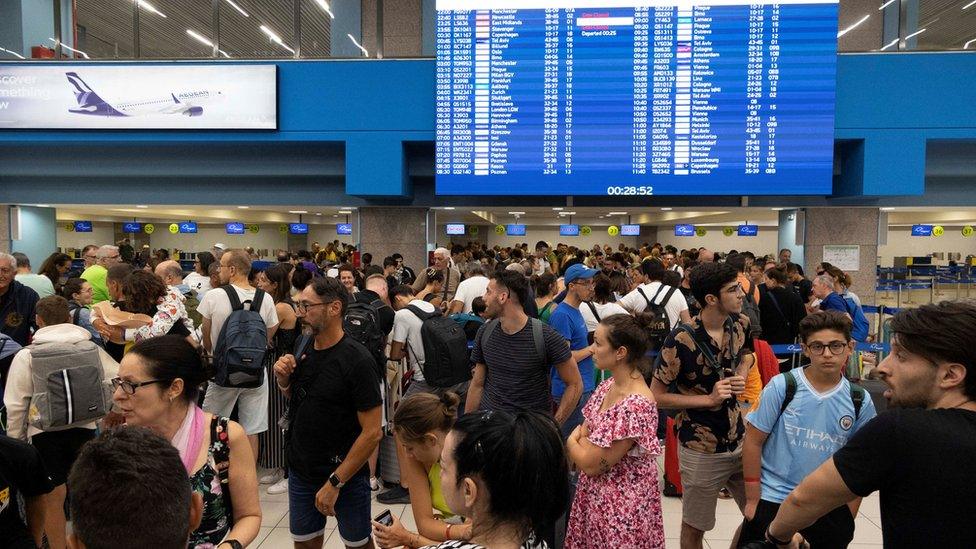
{"points": [[618, 502]]}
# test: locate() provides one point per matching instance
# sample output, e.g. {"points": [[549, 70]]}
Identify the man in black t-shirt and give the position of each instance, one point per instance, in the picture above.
{"points": [[335, 415], [921, 457], [21, 473]]}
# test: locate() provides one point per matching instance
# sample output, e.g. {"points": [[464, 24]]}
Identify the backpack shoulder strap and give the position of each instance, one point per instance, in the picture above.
{"points": [[300, 345], [538, 338], [790, 390], [422, 315], [593, 310], [641, 292], [667, 296], [857, 396], [258, 299], [657, 293], [749, 295], [703, 349], [76, 316], [221, 454], [485, 335], [235, 300]]}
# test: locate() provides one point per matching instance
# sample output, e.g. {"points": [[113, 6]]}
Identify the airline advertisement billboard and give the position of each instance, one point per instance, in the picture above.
{"points": [[142, 97]]}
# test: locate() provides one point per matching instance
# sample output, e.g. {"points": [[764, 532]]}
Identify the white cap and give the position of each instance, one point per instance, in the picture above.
{"points": [[220, 246]]}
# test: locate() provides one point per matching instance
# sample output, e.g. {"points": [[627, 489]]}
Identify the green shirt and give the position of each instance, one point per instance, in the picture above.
{"points": [[39, 283], [96, 275]]}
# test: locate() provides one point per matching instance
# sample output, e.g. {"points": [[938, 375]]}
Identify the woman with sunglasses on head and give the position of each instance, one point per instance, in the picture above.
{"points": [[158, 384], [421, 424], [508, 474], [616, 448]]}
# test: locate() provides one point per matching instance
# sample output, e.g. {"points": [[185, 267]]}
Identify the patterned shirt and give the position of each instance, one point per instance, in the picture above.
{"points": [[707, 430]]}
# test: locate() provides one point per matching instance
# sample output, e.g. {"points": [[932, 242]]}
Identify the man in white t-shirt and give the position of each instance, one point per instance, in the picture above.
{"points": [[469, 288], [215, 307], [408, 343], [637, 300]]}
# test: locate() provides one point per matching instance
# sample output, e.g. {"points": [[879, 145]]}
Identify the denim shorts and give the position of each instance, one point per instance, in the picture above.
{"points": [[352, 510]]}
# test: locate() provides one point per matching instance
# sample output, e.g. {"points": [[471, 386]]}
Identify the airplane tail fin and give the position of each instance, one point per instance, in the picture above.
{"points": [[85, 96]]}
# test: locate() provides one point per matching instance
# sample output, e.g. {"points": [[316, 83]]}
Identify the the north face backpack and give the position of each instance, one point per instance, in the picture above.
{"points": [[445, 349], [238, 356], [362, 324], [659, 326], [69, 385]]}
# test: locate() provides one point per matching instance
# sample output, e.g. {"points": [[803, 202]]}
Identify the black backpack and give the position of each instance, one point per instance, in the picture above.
{"points": [[446, 355], [241, 347], [660, 325], [751, 309], [362, 324]]}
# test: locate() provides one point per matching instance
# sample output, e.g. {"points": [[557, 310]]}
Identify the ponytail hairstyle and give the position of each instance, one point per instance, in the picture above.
{"points": [[778, 274], [423, 413], [172, 357], [521, 462]]}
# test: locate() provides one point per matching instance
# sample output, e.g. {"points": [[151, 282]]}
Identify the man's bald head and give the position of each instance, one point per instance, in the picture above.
{"points": [[170, 272], [377, 283]]}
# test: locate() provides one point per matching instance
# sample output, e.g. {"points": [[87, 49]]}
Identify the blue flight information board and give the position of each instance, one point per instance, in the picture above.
{"points": [[635, 97]]}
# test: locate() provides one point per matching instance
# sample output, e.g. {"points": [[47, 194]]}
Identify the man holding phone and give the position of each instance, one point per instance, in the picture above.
{"points": [[707, 360]]}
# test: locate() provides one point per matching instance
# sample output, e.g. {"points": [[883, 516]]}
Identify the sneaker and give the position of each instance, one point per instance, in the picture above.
{"points": [[271, 477], [375, 484], [398, 494], [279, 487]]}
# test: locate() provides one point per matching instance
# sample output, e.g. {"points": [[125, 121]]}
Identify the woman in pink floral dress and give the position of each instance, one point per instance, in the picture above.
{"points": [[618, 502]]}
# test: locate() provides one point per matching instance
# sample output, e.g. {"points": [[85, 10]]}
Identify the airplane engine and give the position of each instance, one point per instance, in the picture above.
{"points": [[194, 111]]}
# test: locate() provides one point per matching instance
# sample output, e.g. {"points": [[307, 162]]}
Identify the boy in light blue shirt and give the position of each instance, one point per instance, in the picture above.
{"points": [[568, 321], [802, 418]]}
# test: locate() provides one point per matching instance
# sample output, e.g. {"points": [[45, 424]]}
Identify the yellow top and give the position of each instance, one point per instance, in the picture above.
{"points": [[753, 383], [436, 495]]}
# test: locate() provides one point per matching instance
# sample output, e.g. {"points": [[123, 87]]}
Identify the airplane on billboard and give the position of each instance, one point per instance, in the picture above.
{"points": [[186, 103]]}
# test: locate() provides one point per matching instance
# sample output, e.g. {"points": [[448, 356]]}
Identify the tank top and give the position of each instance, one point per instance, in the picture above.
{"points": [[284, 340], [217, 516], [436, 494]]}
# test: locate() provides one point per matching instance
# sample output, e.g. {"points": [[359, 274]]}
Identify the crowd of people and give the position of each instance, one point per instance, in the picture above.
{"points": [[527, 394]]}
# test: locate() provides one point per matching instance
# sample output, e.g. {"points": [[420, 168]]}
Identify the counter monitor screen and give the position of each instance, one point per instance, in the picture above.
{"points": [[684, 230], [515, 230], [569, 230], [83, 226], [188, 227], [455, 229], [344, 228], [132, 227], [635, 97], [298, 228], [630, 230], [235, 228], [748, 230], [921, 230]]}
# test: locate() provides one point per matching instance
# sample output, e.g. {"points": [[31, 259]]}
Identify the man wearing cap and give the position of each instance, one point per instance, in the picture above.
{"points": [[568, 322]]}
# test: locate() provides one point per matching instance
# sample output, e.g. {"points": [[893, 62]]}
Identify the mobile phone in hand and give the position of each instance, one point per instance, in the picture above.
{"points": [[385, 518]]}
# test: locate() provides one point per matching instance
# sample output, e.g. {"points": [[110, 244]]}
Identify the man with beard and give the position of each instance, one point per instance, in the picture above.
{"points": [[921, 457], [335, 418]]}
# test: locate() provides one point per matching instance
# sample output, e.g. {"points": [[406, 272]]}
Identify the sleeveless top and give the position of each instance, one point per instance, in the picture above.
{"points": [[284, 340], [218, 515], [436, 494]]}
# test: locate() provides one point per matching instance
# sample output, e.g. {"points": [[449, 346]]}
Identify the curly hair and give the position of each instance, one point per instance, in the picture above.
{"points": [[142, 292]]}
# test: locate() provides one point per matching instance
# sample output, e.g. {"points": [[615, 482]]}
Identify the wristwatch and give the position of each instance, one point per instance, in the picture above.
{"points": [[234, 544], [334, 481], [774, 541]]}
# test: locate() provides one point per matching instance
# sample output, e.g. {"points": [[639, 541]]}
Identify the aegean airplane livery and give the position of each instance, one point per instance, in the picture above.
{"points": [[186, 103]]}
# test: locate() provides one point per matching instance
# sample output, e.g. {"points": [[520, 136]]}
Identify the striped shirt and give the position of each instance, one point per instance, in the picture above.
{"points": [[516, 377]]}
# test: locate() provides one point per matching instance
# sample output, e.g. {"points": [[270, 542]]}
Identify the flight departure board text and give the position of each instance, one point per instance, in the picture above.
{"points": [[604, 97]]}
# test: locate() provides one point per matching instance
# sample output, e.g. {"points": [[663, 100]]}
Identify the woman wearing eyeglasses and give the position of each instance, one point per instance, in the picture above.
{"points": [[159, 380]]}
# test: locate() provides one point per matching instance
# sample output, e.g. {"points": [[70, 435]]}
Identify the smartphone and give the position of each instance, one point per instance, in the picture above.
{"points": [[385, 518]]}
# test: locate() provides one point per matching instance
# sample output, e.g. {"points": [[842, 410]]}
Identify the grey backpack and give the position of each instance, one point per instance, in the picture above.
{"points": [[69, 385]]}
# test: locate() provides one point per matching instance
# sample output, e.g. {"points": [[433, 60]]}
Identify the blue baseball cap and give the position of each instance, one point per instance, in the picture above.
{"points": [[578, 272]]}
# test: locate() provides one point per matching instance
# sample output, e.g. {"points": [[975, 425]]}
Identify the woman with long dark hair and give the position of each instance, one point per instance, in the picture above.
{"points": [[54, 268], [199, 279]]}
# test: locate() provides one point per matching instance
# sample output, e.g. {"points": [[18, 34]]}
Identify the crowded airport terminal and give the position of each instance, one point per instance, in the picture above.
{"points": [[487, 274]]}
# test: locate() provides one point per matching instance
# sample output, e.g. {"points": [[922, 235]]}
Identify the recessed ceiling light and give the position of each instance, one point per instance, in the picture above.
{"points": [[887, 209], [318, 213], [344, 212], [567, 213], [617, 213], [243, 207], [43, 205], [335, 216], [298, 211], [141, 206], [777, 209], [516, 213], [448, 208], [666, 209], [557, 209]]}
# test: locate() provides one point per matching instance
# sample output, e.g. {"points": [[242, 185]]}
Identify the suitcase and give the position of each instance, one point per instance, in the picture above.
{"points": [[672, 472]]}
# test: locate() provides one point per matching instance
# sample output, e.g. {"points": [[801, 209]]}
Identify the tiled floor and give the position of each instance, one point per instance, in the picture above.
{"points": [[274, 524]]}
